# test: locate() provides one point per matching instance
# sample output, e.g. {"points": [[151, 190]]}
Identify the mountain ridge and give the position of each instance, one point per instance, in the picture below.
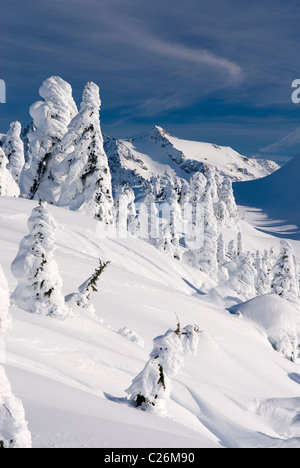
{"points": [[157, 153]]}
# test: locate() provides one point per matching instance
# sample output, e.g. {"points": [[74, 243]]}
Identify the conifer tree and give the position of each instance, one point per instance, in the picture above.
{"points": [[125, 212], [51, 118], [84, 173], [14, 151], [39, 288], [82, 299], [285, 274], [221, 255], [8, 186], [152, 387], [226, 209]]}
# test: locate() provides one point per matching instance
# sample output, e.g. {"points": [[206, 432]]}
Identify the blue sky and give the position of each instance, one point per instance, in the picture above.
{"points": [[208, 70]]}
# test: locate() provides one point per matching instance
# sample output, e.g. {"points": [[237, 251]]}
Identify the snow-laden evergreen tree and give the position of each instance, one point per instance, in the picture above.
{"points": [[208, 253], [240, 245], [51, 118], [213, 184], [152, 387], [39, 288], [82, 299], [263, 278], [221, 254], [285, 274], [8, 186], [171, 213], [226, 209], [193, 214], [84, 173], [231, 250], [242, 280], [148, 220], [125, 212], [14, 431], [14, 151]]}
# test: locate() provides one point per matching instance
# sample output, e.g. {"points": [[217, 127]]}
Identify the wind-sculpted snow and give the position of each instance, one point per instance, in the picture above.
{"points": [[234, 393], [83, 174], [51, 118]]}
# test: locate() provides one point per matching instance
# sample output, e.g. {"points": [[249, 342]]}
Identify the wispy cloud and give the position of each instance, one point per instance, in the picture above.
{"points": [[289, 142], [201, 57]]}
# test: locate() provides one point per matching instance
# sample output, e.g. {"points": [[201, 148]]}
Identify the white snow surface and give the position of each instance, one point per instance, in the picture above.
{"points": [[71, 375]]}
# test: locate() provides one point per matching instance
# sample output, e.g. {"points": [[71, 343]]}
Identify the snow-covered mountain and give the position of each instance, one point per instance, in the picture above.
{"points": [[157, 154]]}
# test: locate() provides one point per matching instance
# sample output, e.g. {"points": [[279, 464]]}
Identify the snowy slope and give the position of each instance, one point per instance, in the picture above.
{"points": [[157, 153], [278, 198], [71, 375]]}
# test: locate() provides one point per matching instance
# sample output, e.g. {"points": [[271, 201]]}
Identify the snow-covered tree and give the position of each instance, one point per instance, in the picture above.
{"points": [[125, 212], [14, 431], [208, 253], [51, 118], [193, 215], [285, 274], [39, 288], [171, 215], [242, 276], [8, 186], [226, 209], [152, 387], [82, 299], [221, 254], [14, 151], [263, 278], [231, 250], [240, 245], [148, 220], [84, 173]]}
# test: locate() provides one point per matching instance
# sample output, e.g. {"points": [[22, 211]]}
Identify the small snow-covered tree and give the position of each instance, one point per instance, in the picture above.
{"points": [[208, 254], [14, 431], [84, 173], [8, 186], [263, 279], [148, 220], [242, 277], [51, 118], [221, 254], [240, 245], [125, 212], [171, 214], [152, 387], [226, 209], [231, 250], [82, 299], [39, 288], [285, 274], [14, 151]]}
